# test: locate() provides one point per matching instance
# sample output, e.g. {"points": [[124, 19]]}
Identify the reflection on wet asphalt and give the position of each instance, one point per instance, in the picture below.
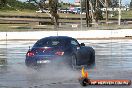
{"points": [[113, 61]]}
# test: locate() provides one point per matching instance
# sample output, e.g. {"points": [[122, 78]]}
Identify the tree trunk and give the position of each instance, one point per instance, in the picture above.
{"points": [[88, 18], [106, 5], [53, 11], [96, 10], [92, 13]]}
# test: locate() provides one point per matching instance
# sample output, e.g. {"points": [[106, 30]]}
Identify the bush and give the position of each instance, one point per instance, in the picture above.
{"points": [[17, 5]]}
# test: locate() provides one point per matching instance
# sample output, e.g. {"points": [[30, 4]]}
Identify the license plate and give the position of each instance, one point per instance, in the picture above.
{"points": [[43, 61]]}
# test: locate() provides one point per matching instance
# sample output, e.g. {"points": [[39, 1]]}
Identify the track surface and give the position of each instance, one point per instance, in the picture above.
{"points": [[113, 61]]}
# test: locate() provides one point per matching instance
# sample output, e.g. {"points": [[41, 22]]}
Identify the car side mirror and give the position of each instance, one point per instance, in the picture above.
{"points": [[82, 44]]}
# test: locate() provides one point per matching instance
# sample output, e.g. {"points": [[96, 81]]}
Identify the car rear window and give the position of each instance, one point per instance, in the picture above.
{"points": [[49, 43]]}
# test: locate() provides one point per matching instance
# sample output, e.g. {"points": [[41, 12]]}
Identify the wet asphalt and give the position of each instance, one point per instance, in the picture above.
{"points": [[113, 61]]}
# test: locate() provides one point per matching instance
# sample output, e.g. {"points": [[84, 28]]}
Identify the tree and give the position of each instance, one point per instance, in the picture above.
{"points": [[95, 8], [15, 5], [131, 4], [53, 11], [2, 3], [93, 12], [115, 3], [52, 5]]}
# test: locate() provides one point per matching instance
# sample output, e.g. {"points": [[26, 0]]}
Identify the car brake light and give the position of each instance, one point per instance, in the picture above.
{"points": [[30, 53], [59, 53]]}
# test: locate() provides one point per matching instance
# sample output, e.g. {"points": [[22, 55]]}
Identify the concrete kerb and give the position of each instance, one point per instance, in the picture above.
{"points": [[75, 34]]}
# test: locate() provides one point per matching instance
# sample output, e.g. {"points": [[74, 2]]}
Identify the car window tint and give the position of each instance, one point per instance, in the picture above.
{"points": [[49, 43], [52, 43]]}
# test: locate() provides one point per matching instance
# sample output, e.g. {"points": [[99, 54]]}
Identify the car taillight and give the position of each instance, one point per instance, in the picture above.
{"points": [[59, 53], [30, 53]]}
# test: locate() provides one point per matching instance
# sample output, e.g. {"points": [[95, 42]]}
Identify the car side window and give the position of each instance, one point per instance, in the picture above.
{"points": [[75, 43]]}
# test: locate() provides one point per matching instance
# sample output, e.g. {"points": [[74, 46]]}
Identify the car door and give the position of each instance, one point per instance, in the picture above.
{"points": [[82, 53], [78, 51]]}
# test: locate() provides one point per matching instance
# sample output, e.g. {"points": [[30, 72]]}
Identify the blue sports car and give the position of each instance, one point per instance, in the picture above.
{"points": [[59, 50]]}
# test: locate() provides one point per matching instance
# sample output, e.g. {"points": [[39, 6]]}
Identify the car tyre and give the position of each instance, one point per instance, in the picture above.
{"points": [[92, 57], [74, 61]]}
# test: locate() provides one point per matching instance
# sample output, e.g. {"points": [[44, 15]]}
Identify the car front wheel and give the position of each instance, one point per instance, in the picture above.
{"points": [[92, 57], [74, 61]]}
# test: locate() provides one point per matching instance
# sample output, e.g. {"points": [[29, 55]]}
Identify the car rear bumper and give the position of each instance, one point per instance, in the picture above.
{"points": [[37, 61]]}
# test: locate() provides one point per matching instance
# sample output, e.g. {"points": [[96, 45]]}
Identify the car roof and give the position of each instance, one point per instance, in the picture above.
{"points": [[58, 37]]}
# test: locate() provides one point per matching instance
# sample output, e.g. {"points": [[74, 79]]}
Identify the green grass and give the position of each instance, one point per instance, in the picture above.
{"points": [[68, 27], [34, 13], [125, 14], [22, 13], [24, 27], [14, 27], [33, 26]]}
